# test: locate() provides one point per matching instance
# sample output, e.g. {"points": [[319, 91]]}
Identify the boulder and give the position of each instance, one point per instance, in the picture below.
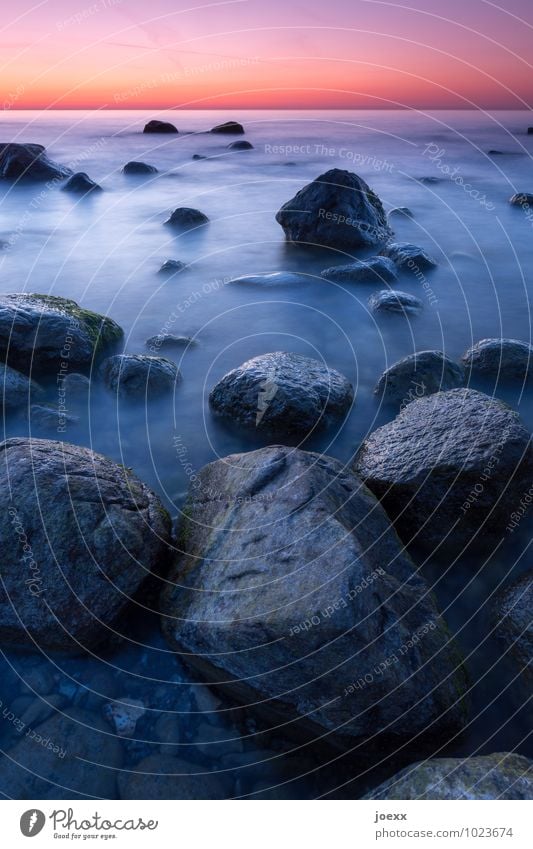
{"points": [[169, 340], [139, 168], [240, 145], [81, 184], [401, 212], [198, 156], [407, 257], [282, 393], [524, 199], [165, 777], [139, 375], [530, 131], [76, 385], [337, 210], [29, 162], [504, 359], [80, 536], [172, 266], [377, 269], [16, 390], [417, 375], [292, 593], [229, 128], [71, 756], [449, 468], [387, 301], [503, 775], [514, 629], [42, 331], [159, 127], [271, 279], [46, 416], [187, 218]]}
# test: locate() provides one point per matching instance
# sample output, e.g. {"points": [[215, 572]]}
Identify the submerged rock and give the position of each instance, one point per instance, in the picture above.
{"points": [[294, 594], [94, 532], [46, 416], [492, 777], [197, 156], [282, 393], [81, 184], [514, 629], [165, 777], [240, 145], [29, 162], [172, 266], [159, 127], [42, 331], [407, 257], [168, 340], [337, 210], [274, 278], [139, 375], [387, 301], [187, 218], [505, 359], [419, 374], [16, 389], [76, 385], [230, 127], [401, 212], [373, 270], [139, 168], [449, 469], [524, 199]]}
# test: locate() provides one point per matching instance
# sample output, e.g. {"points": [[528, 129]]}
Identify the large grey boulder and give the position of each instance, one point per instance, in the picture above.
{"points": [[39, 332], [502, 775], [165, 777], [187, 218], [139, 375], [29, 162], [293, 592], [419, 374], [282, 393], [407, 257], [16, 389], [506, 359], [70, 756], [513, 615], [449, 468], [377, 269], [80, 537], [337, 210], [395, 302]]}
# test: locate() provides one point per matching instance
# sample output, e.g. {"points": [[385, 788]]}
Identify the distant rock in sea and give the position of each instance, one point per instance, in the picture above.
{"points": [[29, 162], [139, 168], [240, 145], [229, 128], [81, 184], [159, 127], [401, 302], [187, 218], [376, 269]]}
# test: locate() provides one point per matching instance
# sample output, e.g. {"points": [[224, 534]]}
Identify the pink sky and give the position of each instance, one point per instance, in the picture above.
{"points": [[135, 54]]}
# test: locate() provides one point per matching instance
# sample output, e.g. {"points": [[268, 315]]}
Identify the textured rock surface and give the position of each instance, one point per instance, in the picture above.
{"points": [[187, 218], [165, 777], [139, 168], [159, 127], [402, 302], [501, 358], [283, 393], [81, 184], [29, 162], [377, 269], [513, 614], [417, 375], [293, 589], [503, 775], [521, 199], [408, 257], [15, 388], [272, 279], [172, 266], [138, 375], [448, 467], [401, 212], [38, 332], [94, 532], [337, 210], [229, 128]]}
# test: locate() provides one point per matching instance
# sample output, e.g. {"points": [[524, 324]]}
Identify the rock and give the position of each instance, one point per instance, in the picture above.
{"points": [[172, 266], [197, 156], [337, 210], [76, 385], [206, 701], [283, 393], [449, 468], [81, 184], [46, 416], [15, 388], [43, 331], [217, 742], [291, 588], [401, 212], [139, 168], [71, 756], [505, 359], [373, 270], [187, 218], [139, 375], [164, 777], [168, 731], [124, 715], [387, 301], [491, 777], [429, 181], [29, 162], [274, 278], [514, 628], [94, 532], [229, 128], [168, 340], [38, 680], [159, 127], [417, 375], [407, 257], [41, 709], [523, 199], [530, 131], [240, 145]]}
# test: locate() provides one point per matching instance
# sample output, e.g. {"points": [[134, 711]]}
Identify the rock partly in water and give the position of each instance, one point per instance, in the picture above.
{"points": [[449, 469], [81, 184], [29, 162], [94, 532], [139, 168], [159, 127], [524, 199], [272, 279], [165, 777], [337, 210], [172, 266], [402, 302], [16, 389], [187, 218], [169, 340], [139, 375], [503, 775], [198, 156], [76, 385], [407, 257], [240, 145], [46, 416], [282, 393], [42, 331], [229, 128], [401, 212], [292, 592], [377, 269], [514, 627], [419, 374], [504, 359]]}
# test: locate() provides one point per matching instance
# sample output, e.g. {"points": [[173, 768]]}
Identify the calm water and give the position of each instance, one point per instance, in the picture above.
{"points": [[105, 252]]}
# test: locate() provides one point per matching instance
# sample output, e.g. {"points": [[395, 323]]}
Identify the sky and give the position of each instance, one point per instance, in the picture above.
{"points": [[287, 54]]}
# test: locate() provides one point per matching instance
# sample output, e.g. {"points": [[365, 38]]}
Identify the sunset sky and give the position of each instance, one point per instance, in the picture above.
{"points": [[133, 54]]}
